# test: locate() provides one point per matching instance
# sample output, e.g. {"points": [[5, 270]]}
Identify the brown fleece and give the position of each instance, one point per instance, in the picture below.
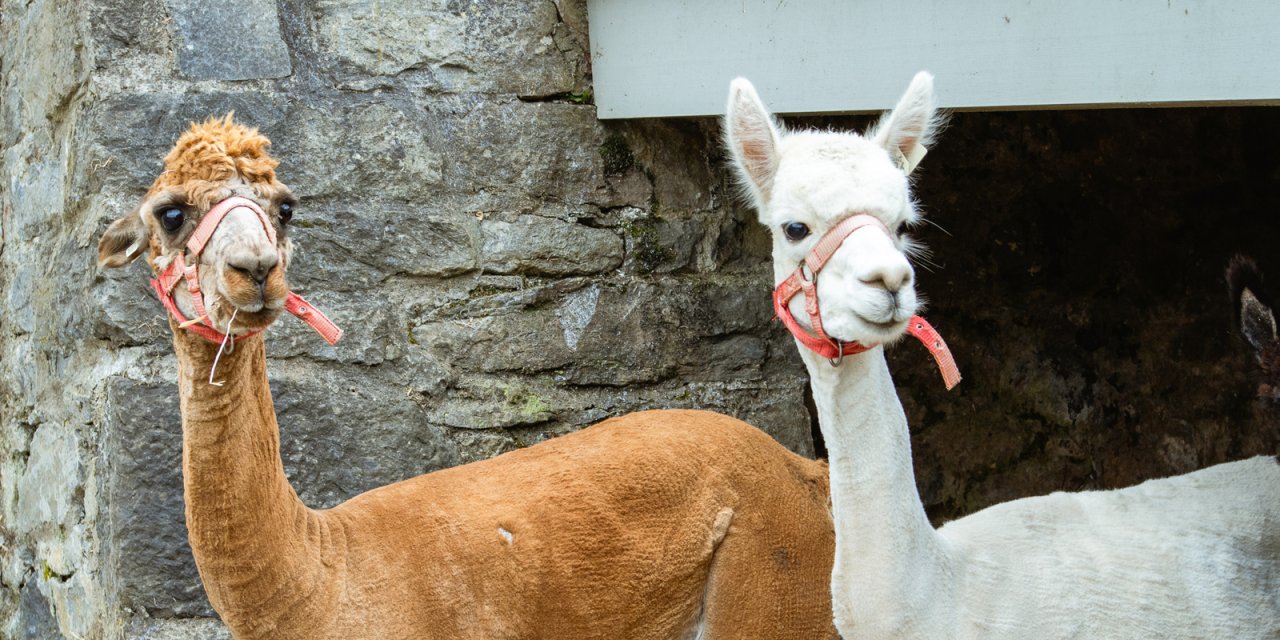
{"points": [[659, 524]]}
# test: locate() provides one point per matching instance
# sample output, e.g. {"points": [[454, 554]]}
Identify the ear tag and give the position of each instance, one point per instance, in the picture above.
{"points": [[907, 164]]}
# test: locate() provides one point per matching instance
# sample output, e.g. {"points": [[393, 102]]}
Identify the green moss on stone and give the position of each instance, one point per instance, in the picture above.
{"points": [[646, 247]]}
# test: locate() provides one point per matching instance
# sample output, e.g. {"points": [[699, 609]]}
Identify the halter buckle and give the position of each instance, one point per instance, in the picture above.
{"points": [[806, 273]]}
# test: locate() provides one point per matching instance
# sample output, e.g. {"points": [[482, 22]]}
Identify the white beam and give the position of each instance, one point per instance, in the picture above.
{"points": [[658, 58]]}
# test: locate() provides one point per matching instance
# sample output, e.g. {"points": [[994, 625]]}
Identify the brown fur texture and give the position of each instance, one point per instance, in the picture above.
{"points": [[661, 524], [213, 153]]}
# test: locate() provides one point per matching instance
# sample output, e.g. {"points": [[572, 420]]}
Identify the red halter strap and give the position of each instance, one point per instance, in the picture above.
{"points": [[180, 270], [800, 282]]}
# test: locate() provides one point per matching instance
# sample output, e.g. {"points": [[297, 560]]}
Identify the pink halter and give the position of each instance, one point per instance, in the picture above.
{"points": [[800, 282], [179, 270]]}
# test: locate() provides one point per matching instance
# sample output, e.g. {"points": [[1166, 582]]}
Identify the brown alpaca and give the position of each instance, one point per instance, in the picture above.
{"points": [[661, 524]]}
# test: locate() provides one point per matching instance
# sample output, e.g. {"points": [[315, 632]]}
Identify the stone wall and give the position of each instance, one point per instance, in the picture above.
{"points": [[508, 269]]}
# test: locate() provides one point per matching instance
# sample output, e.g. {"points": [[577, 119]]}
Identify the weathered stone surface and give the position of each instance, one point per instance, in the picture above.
{"points": [[342, 433], [661, 246], [361, 152], [350, 249], [575, 313], [373, 330], [52, 476], [179, 629], [482, 445], [691, 145], [639, 333], [229, 40], [35, 620], [75, 603], [122, 27], [44, 64], [134, 131], [512, 47], [130, 312], [545, 151], [546, 246], [630, 189], [154, 569]]}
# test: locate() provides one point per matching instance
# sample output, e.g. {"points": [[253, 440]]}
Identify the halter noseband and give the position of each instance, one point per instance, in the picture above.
{"points": [[804, 280], [178, 270]]}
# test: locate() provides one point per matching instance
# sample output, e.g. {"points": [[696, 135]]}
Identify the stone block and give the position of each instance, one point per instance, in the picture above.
{"points": [[547, 246], [178, 629], [632, 188], [526, 342], [363, 152], [126, 310], [645, 332], [75, 602], [373, 330], [356, 247], [450, 45], [475, 445], [347, 430], [45, 64], [52, 477], [680, 155], [229, 40], [154, 569], [131, 26], [35, 616], [37, 193], [545, 151], [134, 131], [661, 246], [609, 334]]}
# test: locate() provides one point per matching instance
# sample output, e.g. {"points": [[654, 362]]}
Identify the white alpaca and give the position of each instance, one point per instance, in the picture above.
{"points": [[1195, 556]]}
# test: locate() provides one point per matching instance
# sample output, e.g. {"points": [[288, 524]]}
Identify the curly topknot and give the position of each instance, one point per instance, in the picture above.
{"points": [[212, 152]]}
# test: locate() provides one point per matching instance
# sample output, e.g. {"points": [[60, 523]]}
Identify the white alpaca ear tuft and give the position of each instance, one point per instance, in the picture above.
{"points": [[905, 131], [752, 138]]}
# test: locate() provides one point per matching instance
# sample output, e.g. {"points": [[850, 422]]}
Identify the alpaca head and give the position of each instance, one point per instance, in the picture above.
{"points": [[1257, 323], [241, 268], [805, 183]]}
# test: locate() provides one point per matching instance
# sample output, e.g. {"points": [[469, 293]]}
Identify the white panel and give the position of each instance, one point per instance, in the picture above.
{"points": [[654, 58]]}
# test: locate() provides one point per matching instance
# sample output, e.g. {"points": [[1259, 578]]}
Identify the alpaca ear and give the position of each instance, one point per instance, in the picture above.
{"points": [[122, 242], [1257, 323], [752, 138], [906, 130]]}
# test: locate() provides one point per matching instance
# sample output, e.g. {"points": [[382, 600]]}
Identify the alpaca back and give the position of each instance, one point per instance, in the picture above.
{"points": [[652, 525], [1209, 538]]}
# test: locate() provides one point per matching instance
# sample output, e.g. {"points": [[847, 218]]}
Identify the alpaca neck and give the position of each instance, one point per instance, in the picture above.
{"points": [[889, 561], [253, 540]]}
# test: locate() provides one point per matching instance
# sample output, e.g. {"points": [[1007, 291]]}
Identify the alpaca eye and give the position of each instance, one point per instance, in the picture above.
{"points": [[171, 218], [795, 231], [286, 212]]}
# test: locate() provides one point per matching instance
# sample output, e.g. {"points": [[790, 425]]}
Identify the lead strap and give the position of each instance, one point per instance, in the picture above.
{"points": [[928, 336]]}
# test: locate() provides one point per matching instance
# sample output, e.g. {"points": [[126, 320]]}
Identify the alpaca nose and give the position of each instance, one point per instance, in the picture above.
{"points": [[890, 276], [254, 265]]}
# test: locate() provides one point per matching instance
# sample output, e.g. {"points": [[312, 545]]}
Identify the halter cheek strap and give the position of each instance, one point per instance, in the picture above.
{"points": [[804, 281], [179, 270]]}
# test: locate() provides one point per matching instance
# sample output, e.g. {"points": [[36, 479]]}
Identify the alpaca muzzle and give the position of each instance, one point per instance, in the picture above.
{"points": [[179, 270], [804, 281]]}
